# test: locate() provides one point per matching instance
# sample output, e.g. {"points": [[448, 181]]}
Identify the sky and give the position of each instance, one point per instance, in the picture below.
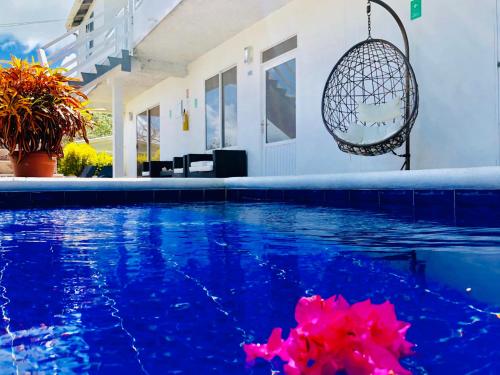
{"points": [[22, 41]]}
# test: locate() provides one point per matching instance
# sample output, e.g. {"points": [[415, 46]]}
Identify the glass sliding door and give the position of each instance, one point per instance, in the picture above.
{"points": [[142, 141], [148, 138], [230, 108], [154, 133], [221, 110], [212, 113]]}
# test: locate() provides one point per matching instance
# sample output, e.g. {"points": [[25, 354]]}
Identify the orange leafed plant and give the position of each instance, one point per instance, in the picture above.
{"points": [[38, 109]]}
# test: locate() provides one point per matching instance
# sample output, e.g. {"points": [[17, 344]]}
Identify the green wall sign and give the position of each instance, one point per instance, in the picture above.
{"points": [[416, 9]]}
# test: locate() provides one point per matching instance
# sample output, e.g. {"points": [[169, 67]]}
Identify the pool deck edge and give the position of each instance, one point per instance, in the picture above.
{"points": [[483, 178]]}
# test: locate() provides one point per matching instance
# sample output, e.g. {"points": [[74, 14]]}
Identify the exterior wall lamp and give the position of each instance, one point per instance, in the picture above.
{"points": [[248, 55]]}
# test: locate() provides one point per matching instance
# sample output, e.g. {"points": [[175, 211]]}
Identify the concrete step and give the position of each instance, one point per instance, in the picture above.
{"points": [[5, 168]]}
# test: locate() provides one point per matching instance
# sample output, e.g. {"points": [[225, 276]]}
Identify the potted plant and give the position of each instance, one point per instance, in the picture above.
{"points": [[38, 109]]}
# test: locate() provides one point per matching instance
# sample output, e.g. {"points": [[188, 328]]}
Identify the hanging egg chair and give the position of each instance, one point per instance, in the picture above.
{"points": [[370, 101]]}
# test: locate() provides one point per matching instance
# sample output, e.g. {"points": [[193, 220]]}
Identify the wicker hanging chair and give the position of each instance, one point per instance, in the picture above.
{"points": [[370, 101]]}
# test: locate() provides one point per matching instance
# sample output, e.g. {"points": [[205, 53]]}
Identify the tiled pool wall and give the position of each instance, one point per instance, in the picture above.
{"points": [[460, 206], [452, 205]]}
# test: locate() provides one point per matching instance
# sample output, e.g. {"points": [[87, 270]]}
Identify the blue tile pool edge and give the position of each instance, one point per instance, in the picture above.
{"points": [[450, 204]]}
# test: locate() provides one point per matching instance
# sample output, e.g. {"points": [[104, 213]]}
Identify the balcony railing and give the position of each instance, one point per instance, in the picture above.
{"points": [[91, 43]]}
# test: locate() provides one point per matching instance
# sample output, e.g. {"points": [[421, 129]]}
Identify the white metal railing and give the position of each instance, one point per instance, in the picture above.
{"points": [[91, 43]]}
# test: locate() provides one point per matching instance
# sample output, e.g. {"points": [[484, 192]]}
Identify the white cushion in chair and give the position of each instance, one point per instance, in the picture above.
{"points": [[373, 134], [358, 134], [354, 134], [392, 129], [202, 166], [377, 113]]}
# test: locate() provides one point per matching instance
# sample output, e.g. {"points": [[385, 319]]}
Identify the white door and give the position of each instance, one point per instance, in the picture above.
{"points": [[279, 123]]}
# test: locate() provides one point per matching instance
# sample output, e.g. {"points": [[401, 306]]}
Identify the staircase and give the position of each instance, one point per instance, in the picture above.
{"points": [[89, 51], [5, 167], [124, 62]]}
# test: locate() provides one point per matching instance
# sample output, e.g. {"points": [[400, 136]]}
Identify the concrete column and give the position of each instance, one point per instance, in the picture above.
{"points": [[118, 109]]}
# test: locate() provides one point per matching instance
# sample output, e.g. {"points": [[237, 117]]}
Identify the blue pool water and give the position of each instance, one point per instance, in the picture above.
{"points": [[176, 289]]}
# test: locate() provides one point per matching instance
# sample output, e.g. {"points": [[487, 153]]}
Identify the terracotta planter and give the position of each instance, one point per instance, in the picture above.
{"points": [[35, 164]]}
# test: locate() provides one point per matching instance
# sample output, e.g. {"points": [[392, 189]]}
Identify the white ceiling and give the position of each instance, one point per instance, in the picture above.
{"points": [[195, 27], [192, 29]]}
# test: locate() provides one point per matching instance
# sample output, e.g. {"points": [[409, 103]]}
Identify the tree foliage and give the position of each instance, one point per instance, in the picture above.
{"points": [[103, 126]]}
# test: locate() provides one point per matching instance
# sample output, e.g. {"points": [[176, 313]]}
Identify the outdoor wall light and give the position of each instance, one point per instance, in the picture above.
{"points": [[248, 53]]}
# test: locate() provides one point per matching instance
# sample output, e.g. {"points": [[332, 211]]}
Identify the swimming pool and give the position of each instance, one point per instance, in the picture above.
{"points": [[176, 289]]}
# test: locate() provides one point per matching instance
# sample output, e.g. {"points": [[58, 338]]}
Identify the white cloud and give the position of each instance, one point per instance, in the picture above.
{"points": [[8, 44], [34, 10]]}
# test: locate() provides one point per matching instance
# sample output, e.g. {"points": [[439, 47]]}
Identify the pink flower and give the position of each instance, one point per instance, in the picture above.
{"points": [[273, 348], [332, 336]]}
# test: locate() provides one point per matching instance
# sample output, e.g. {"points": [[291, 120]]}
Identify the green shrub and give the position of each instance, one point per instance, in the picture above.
{"points": [[103, 159], [76, 157]]}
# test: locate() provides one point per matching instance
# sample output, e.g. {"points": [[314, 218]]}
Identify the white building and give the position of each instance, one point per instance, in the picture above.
{"points": [[218, 56]]}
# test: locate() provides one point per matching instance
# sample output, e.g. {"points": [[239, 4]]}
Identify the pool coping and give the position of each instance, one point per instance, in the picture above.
{"points": [[482, 178]]}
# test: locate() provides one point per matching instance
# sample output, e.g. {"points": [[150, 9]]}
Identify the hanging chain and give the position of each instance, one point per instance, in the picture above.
{"points": [[369, 13]]}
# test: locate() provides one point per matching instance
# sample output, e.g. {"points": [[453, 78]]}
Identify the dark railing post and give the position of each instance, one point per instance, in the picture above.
{"points": [[407, 53]]}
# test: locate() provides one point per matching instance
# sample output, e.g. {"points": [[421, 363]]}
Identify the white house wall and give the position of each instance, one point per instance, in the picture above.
{"points": [[454, 53]]}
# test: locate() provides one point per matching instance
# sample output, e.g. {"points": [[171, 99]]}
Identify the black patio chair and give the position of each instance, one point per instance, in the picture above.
{"points": [[88, 171], [158, 169], [219, 164], [106, 172], [179, 170]]}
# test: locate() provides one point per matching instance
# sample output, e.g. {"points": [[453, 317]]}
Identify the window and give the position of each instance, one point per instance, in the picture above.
{"points": [[137, 3], [280, 49], [221, 110], [89, 28]]}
